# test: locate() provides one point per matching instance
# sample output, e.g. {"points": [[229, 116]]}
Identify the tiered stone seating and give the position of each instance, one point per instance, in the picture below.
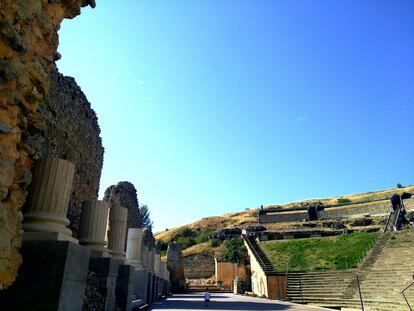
{"points": [[390, 274], [387, 270], [323, 288]]}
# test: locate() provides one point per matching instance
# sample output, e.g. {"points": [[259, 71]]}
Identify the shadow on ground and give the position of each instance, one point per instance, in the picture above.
{"points": [[216, 304]]}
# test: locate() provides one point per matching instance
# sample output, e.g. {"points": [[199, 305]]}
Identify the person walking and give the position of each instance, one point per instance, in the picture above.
{"points": [[207, 297]]}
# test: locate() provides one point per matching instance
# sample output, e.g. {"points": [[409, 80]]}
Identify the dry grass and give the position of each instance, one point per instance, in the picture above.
{"points": [[249, 217], [371, 195], [201, 248]]}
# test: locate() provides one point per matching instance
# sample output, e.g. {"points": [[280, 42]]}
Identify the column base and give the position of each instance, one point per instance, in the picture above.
{"points": [[51, 278], [125, 287], [48, 236], [141, 284], [106, 271]]}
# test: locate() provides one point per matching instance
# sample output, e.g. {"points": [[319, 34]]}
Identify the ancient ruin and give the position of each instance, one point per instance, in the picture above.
{"points": [[50, 166], [125, 193], [175, 266]]}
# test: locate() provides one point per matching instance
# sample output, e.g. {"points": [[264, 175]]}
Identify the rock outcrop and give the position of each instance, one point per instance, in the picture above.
{"points": [[28, 49], [175, 265]]}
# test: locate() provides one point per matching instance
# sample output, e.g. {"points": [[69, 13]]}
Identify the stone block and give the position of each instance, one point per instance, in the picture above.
{"points": [[106, 271], [125, 287], [52, 278], [141, 284]]}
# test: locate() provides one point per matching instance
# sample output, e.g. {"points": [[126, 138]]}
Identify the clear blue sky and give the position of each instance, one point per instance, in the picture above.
{"points": [[216, 106]]}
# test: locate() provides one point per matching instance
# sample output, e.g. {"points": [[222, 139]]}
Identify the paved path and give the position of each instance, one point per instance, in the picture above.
{"points": [[226, 302]]}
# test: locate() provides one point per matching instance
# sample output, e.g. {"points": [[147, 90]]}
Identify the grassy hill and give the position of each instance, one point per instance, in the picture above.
{"points": [[249, 217]]}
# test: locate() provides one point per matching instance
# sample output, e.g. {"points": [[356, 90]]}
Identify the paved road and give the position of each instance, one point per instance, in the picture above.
{"points": [[226, 302]]}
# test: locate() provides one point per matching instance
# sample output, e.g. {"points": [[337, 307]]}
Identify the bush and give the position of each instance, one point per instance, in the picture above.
{"points": [[342, 201], [185, 241], [234, 250], [214, 242], [203, 236]]}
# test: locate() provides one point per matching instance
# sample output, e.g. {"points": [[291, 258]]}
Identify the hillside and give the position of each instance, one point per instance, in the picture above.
{"points": [[249, 217]]}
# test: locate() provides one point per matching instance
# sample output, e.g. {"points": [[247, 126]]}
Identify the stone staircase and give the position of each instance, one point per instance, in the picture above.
{"points": [[387, 269], [322, 288], [258, 253], [392, 272]]}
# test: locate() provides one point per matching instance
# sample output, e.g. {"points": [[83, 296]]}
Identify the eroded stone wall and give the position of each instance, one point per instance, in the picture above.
{"points": [[71, 132], [199, 265], [28, 45], [125, 193]]}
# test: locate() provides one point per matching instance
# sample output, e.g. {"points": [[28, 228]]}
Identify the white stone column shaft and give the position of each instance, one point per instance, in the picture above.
{"points": [[117, 230], [144, 255], [93, 224], [157, 264], [134, 247], [47, 203]]}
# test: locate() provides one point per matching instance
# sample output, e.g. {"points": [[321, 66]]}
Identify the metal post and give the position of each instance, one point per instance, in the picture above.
{"points": [[405, 298], [360, 295], [408, 304]]}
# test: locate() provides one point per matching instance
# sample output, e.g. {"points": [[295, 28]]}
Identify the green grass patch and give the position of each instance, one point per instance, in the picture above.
{"points": [[336, 252]]}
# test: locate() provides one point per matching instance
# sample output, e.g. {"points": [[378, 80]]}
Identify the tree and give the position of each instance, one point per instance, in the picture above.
{"points": [[234, 250], [145, 216]]}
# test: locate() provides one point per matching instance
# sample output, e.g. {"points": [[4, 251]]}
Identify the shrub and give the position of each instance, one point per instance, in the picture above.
{"points": [[343, 201], [186, 241], [214, 242], [234, 250]]}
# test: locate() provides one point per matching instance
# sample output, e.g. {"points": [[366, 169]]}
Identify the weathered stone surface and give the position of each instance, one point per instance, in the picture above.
{"points": [[199, 265], [28, 43], [175, 266], [125, 193], [52, 280], [148, 238], [117, 230], [105, 274], [71, 132], [94, 225]]}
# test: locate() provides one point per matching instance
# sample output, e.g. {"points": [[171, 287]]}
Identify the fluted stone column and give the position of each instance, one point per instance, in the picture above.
{"points": [[134, 247], [166, 274], [144, 256], [93, 227], [47, 204], [117, 230], [150, 260], [157, 265]]}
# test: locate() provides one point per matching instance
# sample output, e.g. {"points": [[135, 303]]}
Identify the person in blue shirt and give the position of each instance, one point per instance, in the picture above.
{"points": [[207, 297]]}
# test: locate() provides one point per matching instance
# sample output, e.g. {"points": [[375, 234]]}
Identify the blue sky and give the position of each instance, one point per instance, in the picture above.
{"points": [[216, 106]]}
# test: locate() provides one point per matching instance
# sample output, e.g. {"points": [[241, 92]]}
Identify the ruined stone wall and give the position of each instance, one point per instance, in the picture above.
{"points": [[374, 208], [28, 45], [125, 193], [201, 265], [71, 132]]}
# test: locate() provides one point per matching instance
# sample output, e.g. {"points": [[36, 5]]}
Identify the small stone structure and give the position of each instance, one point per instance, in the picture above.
{"points": [[175, 266], [239, 285]]}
